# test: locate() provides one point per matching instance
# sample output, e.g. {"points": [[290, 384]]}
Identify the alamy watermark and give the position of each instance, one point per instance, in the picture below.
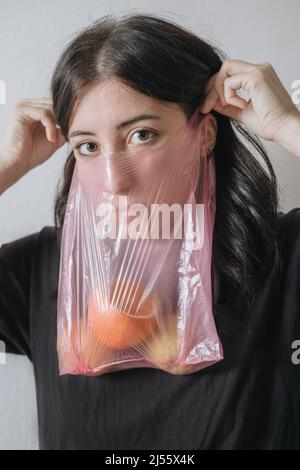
{"points": [[296, 92], [296, 354], [2, 92], [159, 221]]}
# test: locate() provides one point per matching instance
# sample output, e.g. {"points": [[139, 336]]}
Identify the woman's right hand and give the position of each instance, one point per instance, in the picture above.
{"points": [[29, 139]]}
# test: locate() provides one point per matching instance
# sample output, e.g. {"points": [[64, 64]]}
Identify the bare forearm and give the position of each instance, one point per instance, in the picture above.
{"points": [[290, 136], [8, 177], [5, 181]]}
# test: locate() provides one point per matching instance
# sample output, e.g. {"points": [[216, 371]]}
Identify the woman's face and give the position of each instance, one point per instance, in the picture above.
{"points": [[141, 140], [132, 132], [112, 117]]}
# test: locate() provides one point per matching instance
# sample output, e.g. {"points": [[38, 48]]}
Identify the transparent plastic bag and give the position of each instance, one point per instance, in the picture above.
{"points": [[135, 268]]}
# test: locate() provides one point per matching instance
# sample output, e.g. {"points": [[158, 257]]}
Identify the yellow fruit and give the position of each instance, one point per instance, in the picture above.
{"points": [[163, 348]]}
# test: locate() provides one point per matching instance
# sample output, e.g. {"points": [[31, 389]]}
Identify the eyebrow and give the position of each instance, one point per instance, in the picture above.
{"points": [[140, 117]]}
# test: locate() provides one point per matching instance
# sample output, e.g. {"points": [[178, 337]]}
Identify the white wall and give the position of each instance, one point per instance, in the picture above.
{"points": [[32, 34]]}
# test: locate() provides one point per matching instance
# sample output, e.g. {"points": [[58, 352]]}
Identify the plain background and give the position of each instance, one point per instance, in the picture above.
{"points": [[32, 35]]}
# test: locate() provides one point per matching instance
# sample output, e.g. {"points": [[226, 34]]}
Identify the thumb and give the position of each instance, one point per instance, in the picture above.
{"points": [[228, 110], [60, 139]]}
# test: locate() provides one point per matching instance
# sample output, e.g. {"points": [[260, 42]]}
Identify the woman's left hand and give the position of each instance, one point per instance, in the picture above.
{"points": [[270, 111]]}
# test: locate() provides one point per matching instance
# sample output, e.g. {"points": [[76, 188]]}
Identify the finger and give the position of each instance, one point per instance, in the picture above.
{"points": [[47, 100], [48, 107], [37, 101], [31, 114], [215, 93], [215, 85], [230, 111], [49, 124], [232, 85], [35, 104], [232, 67], [209, 102], [227, 85], [60, 138], [211, 95]]}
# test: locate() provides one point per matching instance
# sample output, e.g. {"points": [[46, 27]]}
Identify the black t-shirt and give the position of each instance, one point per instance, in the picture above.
{"points": [[249, 400]]}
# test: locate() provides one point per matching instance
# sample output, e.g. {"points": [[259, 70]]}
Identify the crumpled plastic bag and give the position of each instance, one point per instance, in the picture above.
{"points": [[135, 268]]}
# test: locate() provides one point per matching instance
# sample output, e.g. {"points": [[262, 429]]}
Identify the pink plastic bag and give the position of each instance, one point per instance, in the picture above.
{"points": [[135, 267]]}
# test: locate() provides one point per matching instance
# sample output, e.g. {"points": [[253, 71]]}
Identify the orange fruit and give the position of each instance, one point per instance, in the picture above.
{"points": [[128, 320]]}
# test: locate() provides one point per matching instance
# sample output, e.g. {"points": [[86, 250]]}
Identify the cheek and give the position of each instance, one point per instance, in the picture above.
{"points": [[164, 180]]}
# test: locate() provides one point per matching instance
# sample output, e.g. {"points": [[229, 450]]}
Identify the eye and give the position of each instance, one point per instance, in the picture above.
{"points": [[144, 136], [91, 146]]}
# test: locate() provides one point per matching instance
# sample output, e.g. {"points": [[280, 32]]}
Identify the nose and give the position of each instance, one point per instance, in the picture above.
{"points": [[117, 174]]}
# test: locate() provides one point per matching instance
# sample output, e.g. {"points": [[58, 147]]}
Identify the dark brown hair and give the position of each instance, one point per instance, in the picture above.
{"points": [[165, 61]]}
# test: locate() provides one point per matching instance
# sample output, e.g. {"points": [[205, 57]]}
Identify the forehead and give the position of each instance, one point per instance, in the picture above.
{"points": [[111, 101]]}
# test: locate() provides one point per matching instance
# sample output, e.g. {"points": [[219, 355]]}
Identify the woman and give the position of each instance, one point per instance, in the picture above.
{"points": [[112, 71]]}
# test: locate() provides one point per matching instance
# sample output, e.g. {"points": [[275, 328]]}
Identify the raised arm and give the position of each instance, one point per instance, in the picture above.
{"points": [[29, 139]]}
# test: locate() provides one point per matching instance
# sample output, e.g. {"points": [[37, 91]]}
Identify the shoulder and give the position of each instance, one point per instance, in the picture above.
{"points": [[288, 230], [289, 220], [30, 247], [31, 264]]}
